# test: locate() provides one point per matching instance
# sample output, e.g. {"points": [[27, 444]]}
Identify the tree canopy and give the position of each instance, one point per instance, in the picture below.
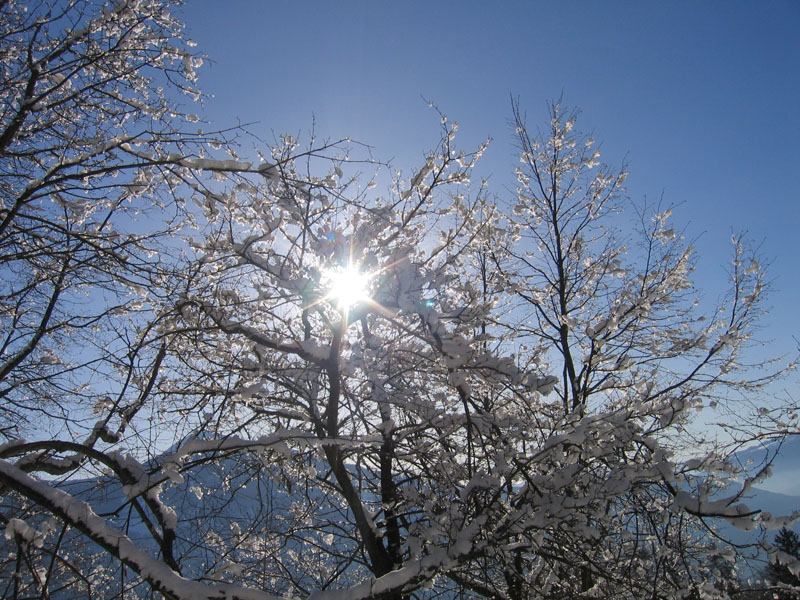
{"points": [[303, 374]]}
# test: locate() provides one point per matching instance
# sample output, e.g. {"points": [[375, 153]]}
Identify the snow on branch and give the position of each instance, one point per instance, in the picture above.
{"points": [[80, 515]]}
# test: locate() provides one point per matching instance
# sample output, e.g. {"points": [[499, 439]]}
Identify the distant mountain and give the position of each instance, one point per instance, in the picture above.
{"points": [[778, 495], [785, 457]]}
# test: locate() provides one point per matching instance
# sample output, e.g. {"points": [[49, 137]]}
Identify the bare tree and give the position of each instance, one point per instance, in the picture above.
{"points": [[92, 146], [616, 315]]}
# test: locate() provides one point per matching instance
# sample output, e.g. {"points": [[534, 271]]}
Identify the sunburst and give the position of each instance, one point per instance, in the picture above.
{"points": [[347, 286]]}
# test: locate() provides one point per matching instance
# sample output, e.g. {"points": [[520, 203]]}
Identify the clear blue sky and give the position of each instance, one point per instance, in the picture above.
{"points": [[701, 98]]}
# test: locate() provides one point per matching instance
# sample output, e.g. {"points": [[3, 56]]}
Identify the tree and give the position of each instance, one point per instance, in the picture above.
{"points": [[213, 413], [787, 543], [84, 136], [616, 316], [92, 147]]}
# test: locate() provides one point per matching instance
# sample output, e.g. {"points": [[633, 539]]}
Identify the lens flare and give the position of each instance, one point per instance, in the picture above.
{"points": [[347, 286]]}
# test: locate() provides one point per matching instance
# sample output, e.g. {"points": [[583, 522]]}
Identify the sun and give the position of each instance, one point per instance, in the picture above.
{"points": [[347, 286]]}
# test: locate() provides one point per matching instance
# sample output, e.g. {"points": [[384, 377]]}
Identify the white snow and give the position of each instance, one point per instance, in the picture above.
{"points": [[215, 165], [18, 527]]}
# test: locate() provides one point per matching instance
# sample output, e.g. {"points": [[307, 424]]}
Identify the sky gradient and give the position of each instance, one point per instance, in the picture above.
{"points": [[700, 99]]}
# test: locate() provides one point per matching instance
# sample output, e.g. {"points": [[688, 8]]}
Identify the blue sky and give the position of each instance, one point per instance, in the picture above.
{"points": [[701, 98]]}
